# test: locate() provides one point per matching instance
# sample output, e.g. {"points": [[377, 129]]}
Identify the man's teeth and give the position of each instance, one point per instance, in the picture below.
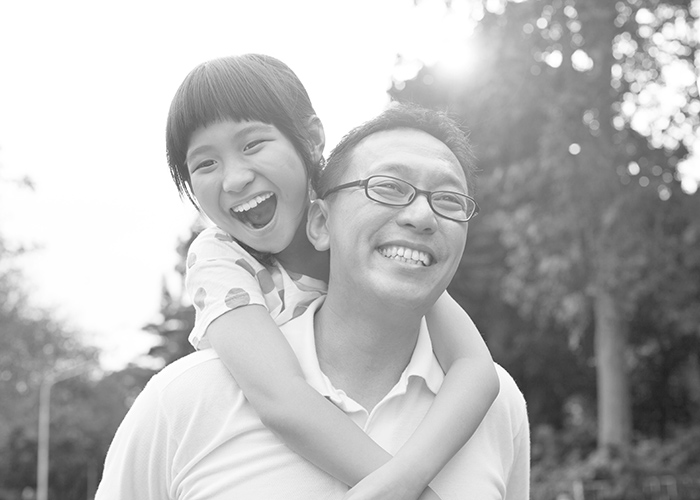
{"points": [[244, 207], [406, 255]]}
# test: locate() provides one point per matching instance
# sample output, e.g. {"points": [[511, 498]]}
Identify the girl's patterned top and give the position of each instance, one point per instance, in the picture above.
{"points": [[222, 276]]}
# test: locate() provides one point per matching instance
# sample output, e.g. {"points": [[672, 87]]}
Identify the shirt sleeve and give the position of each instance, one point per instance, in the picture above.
{"points": [[138, 463], [518, 484], [220, 277]]}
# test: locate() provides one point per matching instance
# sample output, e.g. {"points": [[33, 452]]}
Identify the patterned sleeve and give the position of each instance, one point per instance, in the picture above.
{"points": [[220, 277]]}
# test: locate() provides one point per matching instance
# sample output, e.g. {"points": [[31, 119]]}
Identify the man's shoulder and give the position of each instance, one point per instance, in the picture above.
{"points": [[188, 372], [507, 381], [510, 394]]}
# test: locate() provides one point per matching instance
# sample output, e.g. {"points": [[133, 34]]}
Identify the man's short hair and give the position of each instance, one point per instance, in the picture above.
{"points": [[397, 116]]}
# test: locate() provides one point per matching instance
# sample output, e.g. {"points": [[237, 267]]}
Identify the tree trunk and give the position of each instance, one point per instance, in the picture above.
{"points": [[614, 410], [692, 379]]}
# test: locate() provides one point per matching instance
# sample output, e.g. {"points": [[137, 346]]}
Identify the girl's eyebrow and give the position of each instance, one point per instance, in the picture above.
{"points": [[194, 152], [255, 127], [247, 128]]}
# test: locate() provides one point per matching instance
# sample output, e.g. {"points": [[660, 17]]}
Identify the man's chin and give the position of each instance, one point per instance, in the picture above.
{"points": [[412, 297]]}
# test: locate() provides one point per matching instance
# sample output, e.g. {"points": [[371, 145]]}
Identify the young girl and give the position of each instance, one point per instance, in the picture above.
{"points": [[243, 142]]}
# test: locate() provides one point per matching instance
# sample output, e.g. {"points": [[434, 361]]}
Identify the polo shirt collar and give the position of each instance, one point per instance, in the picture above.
{"points": [[300, 335]]}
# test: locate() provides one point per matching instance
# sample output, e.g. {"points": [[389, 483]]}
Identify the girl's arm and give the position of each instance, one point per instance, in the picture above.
{"points": [[467, 392], [265, 367]]}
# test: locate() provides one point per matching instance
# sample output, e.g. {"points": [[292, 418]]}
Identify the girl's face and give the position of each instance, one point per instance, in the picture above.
{"points": [[250, 181]]}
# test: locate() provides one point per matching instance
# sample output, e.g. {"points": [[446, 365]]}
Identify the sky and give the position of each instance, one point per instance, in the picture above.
{"points": [[84, 94], [85, 88]]}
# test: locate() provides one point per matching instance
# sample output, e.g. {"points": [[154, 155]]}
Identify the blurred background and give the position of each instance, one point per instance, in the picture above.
{"points": [[582, 270]]}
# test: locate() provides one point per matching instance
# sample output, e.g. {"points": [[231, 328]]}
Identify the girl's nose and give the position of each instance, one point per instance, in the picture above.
{"points": [[418, 216], [236, 178]]}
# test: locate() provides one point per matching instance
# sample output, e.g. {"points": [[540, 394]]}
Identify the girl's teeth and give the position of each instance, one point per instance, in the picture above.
{"points": [[244, 207]]}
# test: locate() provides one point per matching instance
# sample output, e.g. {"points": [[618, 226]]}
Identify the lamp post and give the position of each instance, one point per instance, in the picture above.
{"points": [[42, 467]]}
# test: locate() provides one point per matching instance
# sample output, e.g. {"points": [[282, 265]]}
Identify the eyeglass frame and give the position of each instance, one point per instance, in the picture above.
{"points": [[364, 183]]}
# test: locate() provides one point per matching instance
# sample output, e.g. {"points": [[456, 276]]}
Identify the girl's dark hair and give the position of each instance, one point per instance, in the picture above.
{"points": [[249, 87]]}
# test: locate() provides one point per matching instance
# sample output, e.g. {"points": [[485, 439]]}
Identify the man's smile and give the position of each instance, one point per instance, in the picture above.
{"points": [[407, 255]]}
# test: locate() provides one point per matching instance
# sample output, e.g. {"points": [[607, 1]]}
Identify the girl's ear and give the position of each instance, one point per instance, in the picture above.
{"points": [[317, 137], [317, 225]]}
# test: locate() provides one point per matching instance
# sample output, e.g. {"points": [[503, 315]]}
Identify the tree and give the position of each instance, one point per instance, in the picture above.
{"points": [[85, 414], [176, 311], [566, 113], [33, 345]]}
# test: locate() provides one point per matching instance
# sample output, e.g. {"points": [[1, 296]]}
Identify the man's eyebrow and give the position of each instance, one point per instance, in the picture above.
{"points": [[399, 169]]}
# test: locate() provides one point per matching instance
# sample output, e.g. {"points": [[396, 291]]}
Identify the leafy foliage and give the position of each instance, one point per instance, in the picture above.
{"points": [[580, 119], [176, 313], [84, 411]]}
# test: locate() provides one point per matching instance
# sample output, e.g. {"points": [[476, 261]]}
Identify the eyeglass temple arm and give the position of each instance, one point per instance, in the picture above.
{"points": [[360, 183]]}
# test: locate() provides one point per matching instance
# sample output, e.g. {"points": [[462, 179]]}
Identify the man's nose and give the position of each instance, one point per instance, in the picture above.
{"points": [[418, 216], [236, 178]]}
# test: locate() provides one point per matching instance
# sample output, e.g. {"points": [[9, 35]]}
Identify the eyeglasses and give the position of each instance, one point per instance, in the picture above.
{"points": [[395, 192]]}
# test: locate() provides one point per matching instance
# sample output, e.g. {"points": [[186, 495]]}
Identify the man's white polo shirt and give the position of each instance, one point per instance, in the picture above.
{"points": [[191, 435]]}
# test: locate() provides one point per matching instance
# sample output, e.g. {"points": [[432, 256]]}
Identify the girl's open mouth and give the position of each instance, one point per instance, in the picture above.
{"points": [[258, 212]]}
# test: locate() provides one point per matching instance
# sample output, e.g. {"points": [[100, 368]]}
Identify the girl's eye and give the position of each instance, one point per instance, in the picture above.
{"points": [[253, 144], [203, 164]]}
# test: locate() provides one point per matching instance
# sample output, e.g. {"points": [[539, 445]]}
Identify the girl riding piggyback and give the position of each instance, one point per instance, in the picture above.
{"points": [[243, 144]]}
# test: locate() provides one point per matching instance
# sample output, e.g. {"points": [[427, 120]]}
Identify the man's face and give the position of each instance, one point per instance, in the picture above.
{"points": [[403, 255]]}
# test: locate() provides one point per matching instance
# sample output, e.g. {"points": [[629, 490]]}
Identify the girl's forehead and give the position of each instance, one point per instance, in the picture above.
{"points": [[229, 128]]}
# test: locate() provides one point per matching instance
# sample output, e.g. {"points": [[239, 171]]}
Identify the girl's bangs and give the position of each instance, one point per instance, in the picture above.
{"points": [[212, 100]]}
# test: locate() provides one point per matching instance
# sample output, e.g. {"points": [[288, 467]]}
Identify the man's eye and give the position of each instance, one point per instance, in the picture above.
{"points": [[449, 200], [389, 185]]}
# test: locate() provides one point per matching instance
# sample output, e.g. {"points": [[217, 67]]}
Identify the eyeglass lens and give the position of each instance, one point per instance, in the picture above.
{"points": [[398, 192]]}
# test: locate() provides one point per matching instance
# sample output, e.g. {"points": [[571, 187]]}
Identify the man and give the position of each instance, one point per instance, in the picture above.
{"points": [[192, 434]]}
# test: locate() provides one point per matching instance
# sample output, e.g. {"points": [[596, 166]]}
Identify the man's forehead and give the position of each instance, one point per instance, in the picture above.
{"points": [[398, 152]]}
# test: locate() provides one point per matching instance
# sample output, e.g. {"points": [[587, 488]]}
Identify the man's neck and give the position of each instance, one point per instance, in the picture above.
{"points": [[364, 348]]}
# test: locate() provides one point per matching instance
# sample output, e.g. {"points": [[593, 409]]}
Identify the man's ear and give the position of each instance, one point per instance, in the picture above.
{"points": [[317, 138], [317, 225]]}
